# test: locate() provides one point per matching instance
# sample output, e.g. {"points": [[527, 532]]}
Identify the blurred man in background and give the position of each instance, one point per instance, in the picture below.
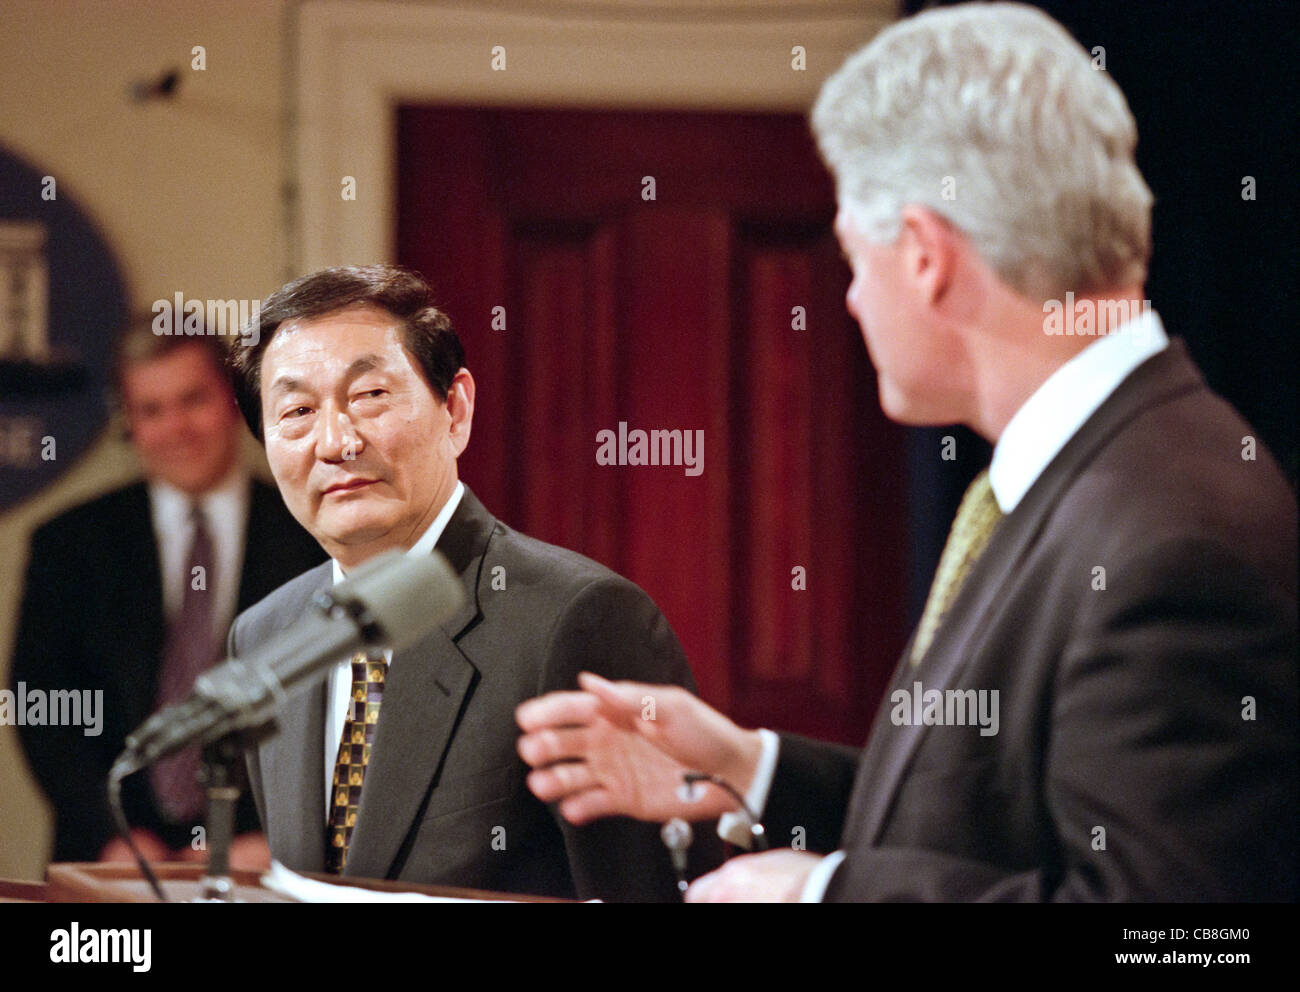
{"points": [[132, 593]]}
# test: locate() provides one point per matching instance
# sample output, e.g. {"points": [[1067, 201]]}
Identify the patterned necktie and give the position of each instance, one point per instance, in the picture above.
{"points": [[190, 649], [354, 754], [977, 517]]}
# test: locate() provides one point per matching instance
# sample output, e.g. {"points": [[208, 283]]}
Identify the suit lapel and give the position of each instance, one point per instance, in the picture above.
{"points": [[427, 686], [978, 605], [292, 762], [257, 536], [890, 748], [141, 598], [293, 771]]}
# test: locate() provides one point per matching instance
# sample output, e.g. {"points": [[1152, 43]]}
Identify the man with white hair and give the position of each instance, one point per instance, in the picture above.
{"points": [[1100, 700]]}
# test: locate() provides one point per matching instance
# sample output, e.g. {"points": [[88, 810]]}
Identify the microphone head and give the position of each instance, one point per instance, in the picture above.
{"points": [[676, 834], [406, 596]]}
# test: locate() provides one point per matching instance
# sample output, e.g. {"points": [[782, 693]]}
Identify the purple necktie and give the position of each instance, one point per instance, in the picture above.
{"points": [[189, 651]]}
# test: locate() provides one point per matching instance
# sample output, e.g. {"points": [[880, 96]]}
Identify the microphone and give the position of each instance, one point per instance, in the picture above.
{"points": [[756, 839], [392, 601], [677, 836]]}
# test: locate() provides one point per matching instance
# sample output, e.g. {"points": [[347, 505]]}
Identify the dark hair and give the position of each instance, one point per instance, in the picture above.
{"points": [[140, 340], [426, 331]]}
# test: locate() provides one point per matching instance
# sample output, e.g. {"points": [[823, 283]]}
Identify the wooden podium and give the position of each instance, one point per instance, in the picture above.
{"points": [[122, 882]]}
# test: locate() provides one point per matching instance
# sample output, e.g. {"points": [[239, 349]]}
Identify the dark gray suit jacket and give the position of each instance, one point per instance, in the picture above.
{"points": [[1160, 709], [445, 801]]}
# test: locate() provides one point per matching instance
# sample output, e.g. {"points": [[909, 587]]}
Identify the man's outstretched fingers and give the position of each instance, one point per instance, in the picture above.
{"points": [[557, 709], [628, 703], [560, 780], [588, 805], [550, 744], [623, 697]]}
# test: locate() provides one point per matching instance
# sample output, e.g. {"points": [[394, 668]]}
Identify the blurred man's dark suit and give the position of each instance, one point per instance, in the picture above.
{"points": [[444, 799], [92, 618], [1121, 709]]}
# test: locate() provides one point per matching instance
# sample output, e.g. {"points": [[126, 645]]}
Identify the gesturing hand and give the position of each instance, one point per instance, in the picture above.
{"points": [[620, 748], [774, 876]]}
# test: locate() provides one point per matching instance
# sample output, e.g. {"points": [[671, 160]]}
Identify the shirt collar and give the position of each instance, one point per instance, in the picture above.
{"points": [[429, 538], [1066, 399], [171, 506]]}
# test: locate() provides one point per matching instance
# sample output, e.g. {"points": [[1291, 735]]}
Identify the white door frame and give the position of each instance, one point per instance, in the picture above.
{"points": [[358, 59]]}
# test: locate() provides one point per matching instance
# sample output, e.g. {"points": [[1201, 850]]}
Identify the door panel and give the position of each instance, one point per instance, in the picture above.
{"points": [[779, 565]]}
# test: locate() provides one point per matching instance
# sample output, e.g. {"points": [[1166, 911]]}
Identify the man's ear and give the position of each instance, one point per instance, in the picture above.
{"points": [[460, 408], [931, 249]]}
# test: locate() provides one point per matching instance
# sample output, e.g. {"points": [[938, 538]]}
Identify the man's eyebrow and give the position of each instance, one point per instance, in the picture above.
{"points": [[366, 363], [285, 384], [361, 365]]}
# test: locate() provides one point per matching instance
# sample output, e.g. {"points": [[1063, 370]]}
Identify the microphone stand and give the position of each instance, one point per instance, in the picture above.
{"points": [[233, 706], [223, 776]]}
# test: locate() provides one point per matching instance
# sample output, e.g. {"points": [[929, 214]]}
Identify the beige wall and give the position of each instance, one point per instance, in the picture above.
{"points": [[185, 193]]}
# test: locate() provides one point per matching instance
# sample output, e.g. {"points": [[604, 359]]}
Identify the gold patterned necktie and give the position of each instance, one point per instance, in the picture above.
{"points": [[368, 676], [977, 517]]}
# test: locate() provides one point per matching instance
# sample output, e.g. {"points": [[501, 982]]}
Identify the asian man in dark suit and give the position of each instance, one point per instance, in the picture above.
{"points": [[1100, 702], [404, 766], [108, 580]]}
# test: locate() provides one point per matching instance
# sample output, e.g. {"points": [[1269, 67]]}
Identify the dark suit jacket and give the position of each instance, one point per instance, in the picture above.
{"points": [[92, 618], [445, 799], [1120, 709]]}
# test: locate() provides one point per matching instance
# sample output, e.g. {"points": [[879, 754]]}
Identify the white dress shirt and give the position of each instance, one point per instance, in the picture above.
{"points": [[339, 690], [1033, 437], [1067, 398], [225, 509]]}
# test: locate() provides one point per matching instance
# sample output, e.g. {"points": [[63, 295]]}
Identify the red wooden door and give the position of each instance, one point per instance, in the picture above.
{"points": [[716, 306]]}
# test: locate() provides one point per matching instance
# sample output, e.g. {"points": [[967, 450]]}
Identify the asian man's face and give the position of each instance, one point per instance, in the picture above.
{"points": [[363, 450]]}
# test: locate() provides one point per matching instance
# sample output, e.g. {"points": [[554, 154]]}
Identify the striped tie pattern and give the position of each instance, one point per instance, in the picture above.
{"points": [[977, 517], [368, 676]]}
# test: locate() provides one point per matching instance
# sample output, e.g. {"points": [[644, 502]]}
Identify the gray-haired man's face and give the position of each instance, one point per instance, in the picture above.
{"points": [[885, 300]]}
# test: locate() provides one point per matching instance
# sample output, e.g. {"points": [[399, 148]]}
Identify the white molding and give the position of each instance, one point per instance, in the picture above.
{"points": [[358, 59]]}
